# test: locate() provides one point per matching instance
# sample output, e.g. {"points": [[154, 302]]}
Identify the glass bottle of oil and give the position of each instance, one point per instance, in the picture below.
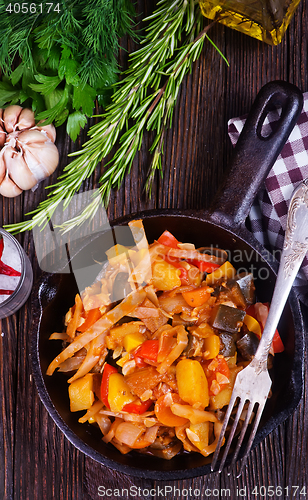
{"points": [[266, 20]]}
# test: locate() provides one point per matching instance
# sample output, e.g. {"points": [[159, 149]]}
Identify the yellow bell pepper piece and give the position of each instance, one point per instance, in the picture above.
{"points": [[192, 383], [121, 362], [118, 333], [253, 325], [118, 392], [81, 393], [212, 345], [165, 276], [225, 271], [132, 340]]}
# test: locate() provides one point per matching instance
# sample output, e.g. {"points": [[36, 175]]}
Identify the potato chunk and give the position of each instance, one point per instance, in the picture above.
{"points": [[192, 383], [81, 393]]}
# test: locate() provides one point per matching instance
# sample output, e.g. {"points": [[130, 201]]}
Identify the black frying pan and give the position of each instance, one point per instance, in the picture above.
{"points": [[224, 227]]}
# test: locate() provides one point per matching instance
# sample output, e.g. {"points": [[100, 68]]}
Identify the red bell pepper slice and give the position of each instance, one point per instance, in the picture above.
{"points": [[276, 342], [168, 240], [149, 350], [204, 267], [108, 370], [138, 408], [140, 363]]}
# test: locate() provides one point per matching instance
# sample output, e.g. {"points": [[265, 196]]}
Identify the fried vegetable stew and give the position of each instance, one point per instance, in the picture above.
{"points": [[153, 346]]}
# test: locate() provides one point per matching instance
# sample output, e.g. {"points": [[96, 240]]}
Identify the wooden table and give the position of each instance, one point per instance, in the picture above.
{"points": [[36, 461]]}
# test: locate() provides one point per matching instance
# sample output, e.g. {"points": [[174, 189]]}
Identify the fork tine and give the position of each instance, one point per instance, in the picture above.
{"points": [[223, 430], [252, 434], [232, 432], [243, 431]]}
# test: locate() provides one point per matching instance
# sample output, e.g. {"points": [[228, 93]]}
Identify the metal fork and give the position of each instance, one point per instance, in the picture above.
{"points": [[253, 383]]}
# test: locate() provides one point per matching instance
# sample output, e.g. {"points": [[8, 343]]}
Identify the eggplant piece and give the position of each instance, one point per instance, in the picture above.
{"points": [[121, 287], [247, 286], [248, 345], [194, 347], [231, 291], [226, 318], [227, 345]]}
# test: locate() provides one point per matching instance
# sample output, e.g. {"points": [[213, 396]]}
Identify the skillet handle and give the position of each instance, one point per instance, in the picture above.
{"points": [[254, 154]]}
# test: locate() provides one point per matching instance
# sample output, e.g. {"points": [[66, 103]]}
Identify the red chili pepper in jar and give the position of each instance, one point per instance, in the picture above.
{"points": [[4, 268]]}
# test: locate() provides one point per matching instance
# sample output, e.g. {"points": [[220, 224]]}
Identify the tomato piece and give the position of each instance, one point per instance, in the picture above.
{"points": [[139, 407], [213, 367], [108, 370], [251, 311], [149, 350], [277, 343], [91, 317], [168, 240]]}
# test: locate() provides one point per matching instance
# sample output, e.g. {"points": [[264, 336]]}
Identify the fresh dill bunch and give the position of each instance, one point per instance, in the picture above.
{"points": [[66, 55], [145, 96]]}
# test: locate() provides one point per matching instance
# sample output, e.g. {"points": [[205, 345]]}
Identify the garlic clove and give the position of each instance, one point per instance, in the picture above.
{"points": [[18, 170], [49, 130], [41, 161], [26, 119], [2, 167], [9, 189], [32, 137], [10, 117], [2, 137], [27, 151]]}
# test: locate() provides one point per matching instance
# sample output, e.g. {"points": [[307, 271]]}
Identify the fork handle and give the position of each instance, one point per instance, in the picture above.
{"points": [[294, 251]]}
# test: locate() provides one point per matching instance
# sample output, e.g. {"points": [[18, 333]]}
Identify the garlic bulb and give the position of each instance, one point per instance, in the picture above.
{"points": [[27, 152]]}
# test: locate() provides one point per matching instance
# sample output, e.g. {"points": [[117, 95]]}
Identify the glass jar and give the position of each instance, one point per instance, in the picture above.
{"points": [[15, 289], [266, 20]]}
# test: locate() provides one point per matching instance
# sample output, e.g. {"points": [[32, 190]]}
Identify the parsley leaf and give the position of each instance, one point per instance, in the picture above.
{"points": [[75, 121]]}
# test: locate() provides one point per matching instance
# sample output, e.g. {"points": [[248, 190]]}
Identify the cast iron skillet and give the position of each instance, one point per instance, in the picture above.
{"points": [[224, 227]]}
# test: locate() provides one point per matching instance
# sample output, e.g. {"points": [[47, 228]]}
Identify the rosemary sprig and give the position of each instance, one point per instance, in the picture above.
{"points": [[147, 95]]}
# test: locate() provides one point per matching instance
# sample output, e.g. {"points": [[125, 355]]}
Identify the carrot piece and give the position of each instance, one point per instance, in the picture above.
{"points": [[197, 297], [91, 317], [163, 411]]}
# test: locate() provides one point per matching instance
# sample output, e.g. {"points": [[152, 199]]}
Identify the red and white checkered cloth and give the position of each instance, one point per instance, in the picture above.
{"points": [[268, 215]]}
